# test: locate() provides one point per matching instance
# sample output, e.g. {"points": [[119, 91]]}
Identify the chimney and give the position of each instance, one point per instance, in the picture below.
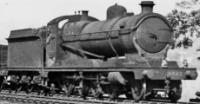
{"points": [[84, 16], [147, 6]]}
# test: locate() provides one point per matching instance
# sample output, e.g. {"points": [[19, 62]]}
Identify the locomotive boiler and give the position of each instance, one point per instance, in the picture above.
{"points": [[124, 54], [143, 34]]}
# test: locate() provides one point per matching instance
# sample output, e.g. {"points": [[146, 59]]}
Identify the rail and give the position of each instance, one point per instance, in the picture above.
{"points": [[35, 99]]}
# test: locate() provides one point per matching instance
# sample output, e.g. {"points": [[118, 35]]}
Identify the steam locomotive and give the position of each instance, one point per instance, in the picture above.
{"points": [[124, 54]]}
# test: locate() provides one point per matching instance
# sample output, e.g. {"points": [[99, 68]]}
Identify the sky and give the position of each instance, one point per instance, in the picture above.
{"points": [[19, 14]]}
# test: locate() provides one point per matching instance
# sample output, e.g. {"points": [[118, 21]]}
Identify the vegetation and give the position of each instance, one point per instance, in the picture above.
{"points": [[186, 25]]}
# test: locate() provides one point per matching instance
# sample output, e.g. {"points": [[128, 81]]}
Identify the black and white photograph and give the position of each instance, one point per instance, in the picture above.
{"points": [[99, 51]]}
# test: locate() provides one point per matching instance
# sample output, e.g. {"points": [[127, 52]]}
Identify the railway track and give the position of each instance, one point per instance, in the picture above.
{"points": [[22, 98]]}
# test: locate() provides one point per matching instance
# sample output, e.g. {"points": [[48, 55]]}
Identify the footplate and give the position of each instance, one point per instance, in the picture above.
{"points": [[154, 73]]}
